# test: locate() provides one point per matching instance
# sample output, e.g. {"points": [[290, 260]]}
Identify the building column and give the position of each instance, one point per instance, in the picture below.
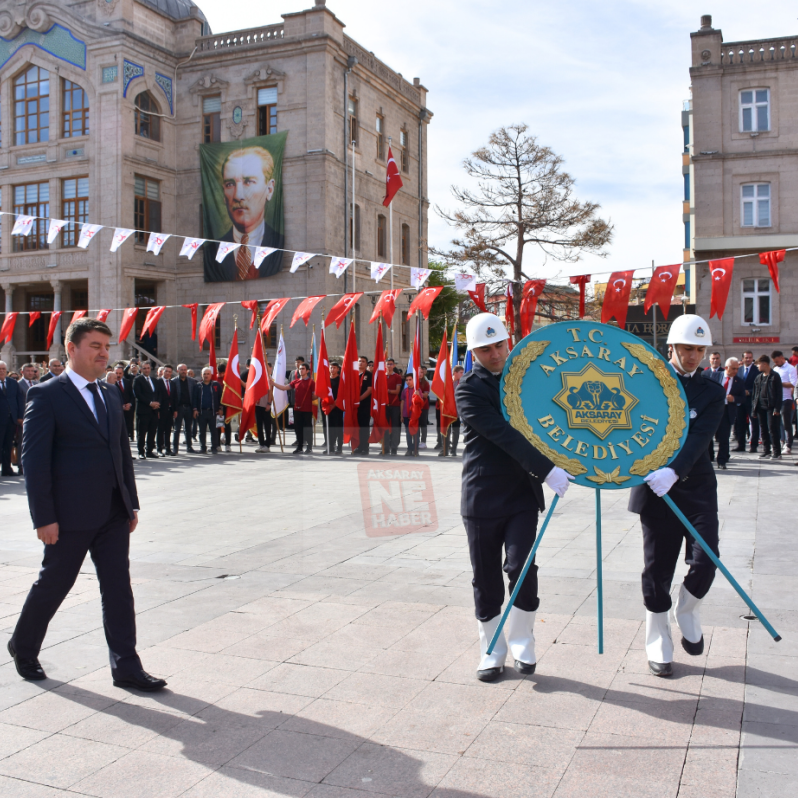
{"points": [[9, 353], [56, 350]]}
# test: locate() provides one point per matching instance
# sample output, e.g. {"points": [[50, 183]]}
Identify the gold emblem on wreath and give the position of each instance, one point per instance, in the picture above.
{"points": [[596, 401]]}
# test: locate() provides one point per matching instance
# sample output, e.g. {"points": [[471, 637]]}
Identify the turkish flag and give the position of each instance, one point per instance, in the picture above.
{"points": [[721, 273], [231, 392], [341, 308], [212, 358], [509, 313], [443, 387], [423, 301], [257, 387], [529, 304], [660, 288], [393, 181], [207, 327], [379, 393], [51, 330], [616, 297], [305, 309], [417, 400], [323, 384], [252, 305], [581, 280], [193, 308], [103, 314], [151, 322], [349, 390], [7, 329], [386, 305], [270, 314], [478, 295], [37, 314], [772, 261], [78, 314], [128, 319]]}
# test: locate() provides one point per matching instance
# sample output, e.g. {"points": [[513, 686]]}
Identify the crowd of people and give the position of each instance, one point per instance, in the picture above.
{"points": [[161, 405]]}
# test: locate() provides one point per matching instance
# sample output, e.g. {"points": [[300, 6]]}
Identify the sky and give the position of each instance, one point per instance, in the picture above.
{"points": [[602, 84]]}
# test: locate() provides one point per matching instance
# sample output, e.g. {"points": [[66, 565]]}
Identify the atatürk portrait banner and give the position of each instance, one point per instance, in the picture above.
{"points": [[242, 206]]}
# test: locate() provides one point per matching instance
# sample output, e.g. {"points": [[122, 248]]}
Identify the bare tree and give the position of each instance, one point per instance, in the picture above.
{"points": [[523, 197]]}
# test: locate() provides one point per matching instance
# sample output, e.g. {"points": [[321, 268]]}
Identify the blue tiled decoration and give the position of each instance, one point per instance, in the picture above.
{"points": [[130, 71], [166, 86], [57, 41], [110, 73]]}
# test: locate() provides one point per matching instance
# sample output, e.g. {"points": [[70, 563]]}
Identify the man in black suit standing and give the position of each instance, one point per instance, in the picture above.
{"points": [[12, 409], [714, 373], [206, 400], [735, 393], [56, 368], [124, 385], [747, 373], [82, 498], [183, 392], [501, 497], [166, 412], [147, 407]]}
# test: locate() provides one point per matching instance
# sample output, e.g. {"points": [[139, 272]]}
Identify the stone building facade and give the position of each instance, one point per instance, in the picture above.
{"points": [[105, 104], [743, 162]]}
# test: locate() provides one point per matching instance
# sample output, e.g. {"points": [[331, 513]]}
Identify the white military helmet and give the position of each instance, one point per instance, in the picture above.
{"points": [[690, 329], [485, 329]]}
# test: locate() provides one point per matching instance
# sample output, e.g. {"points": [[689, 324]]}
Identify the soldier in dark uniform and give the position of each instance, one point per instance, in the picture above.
{"points": [[502, 495], [690, 481]]}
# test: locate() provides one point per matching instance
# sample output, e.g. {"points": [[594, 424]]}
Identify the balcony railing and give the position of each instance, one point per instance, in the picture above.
{"points": [[240, 38], [757, 52]]}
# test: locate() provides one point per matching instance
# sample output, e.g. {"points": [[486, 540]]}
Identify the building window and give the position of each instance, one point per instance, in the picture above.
{"points": [[212, 118], [354, 235], [76, 110], [382, 249], [756, 205], [267, 111], [687, 187], [147, 125], [37, 332], [32, 106], [147, 211], [406, 244], [403, 145], [686, 131], [353, 126], [687, 235], [75, 208], [145, 296], [405, 333], [756, 301], [754, 110], [33, 199], [380, 138]]}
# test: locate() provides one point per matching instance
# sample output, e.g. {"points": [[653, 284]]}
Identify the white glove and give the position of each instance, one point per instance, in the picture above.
{"points": [[662, 480], [559, 480]]}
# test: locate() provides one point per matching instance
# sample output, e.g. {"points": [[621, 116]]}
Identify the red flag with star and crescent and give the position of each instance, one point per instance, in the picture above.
{"points": [[271, 311], [478, 297], [231, 393], [443, 387], [257, 386], [348, 397], [322, 377], [660, 289], [529, 304], [379, 393], [423, 301], [305, 308], [386, 305], [341, 308], [616, 297], [772, 261], [721, 273], [393, 180], [581, 280]]}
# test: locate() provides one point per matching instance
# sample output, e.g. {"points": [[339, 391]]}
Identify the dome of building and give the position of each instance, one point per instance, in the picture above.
{"points": [[179, 9]]}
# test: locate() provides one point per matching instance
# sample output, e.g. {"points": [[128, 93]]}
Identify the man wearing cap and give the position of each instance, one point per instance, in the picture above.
{"points": [[689, 480], [502, 494]]}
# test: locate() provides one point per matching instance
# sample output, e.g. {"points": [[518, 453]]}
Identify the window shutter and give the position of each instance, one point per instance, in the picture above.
{"points": [[155, 216], [139, 186], [212, 105], [267, 96]]}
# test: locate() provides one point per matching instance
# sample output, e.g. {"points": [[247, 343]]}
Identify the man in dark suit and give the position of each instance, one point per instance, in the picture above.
{"points": [[124, 384], [12, 409], [501, 497], [27, 381], [183, 392], [735, 393], [82, 498], [714, 373], [747, 373], [690, 481], [206, 400], [147, 407], [56, 367], [166, 412], [248, 185]]}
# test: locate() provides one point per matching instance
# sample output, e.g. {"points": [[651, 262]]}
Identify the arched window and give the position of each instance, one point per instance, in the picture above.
{"points": [[76, 110], [147, 125], [32, 106]]}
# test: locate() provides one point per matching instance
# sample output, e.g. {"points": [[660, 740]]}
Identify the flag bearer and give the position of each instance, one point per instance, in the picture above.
{"points": [[690, 481], [502, 495]]}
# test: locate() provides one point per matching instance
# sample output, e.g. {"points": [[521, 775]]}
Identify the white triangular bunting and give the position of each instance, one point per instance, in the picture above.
{"points": [[225, 248], [190, 246], [121, 234], [87, 232]]}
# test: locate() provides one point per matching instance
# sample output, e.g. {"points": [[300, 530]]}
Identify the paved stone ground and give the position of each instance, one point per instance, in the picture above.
{"points": [[305, 658]]}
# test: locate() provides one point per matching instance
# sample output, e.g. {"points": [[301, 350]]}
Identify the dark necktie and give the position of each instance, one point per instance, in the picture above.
{"points": [[99, 407], [168, 388]]}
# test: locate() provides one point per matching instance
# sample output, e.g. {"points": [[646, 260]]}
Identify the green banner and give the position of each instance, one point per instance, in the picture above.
{"points": [[242, 202]]}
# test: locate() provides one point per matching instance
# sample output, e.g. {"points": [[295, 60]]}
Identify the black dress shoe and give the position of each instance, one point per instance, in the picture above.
{"points": [[141, 681], [693, 649], [490, 674], [722, 466], [142, 457], [297, 451], [29, 669], [660, 668], [524, 667], [190, 450]]}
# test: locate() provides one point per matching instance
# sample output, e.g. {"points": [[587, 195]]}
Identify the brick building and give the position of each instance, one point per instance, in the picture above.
{"points": [[105, 104]]}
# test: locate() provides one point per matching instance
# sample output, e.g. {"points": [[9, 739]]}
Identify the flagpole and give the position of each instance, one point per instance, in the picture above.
{"points": [[277, 419], [354, 220], [235, 335], [390, 250]]}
